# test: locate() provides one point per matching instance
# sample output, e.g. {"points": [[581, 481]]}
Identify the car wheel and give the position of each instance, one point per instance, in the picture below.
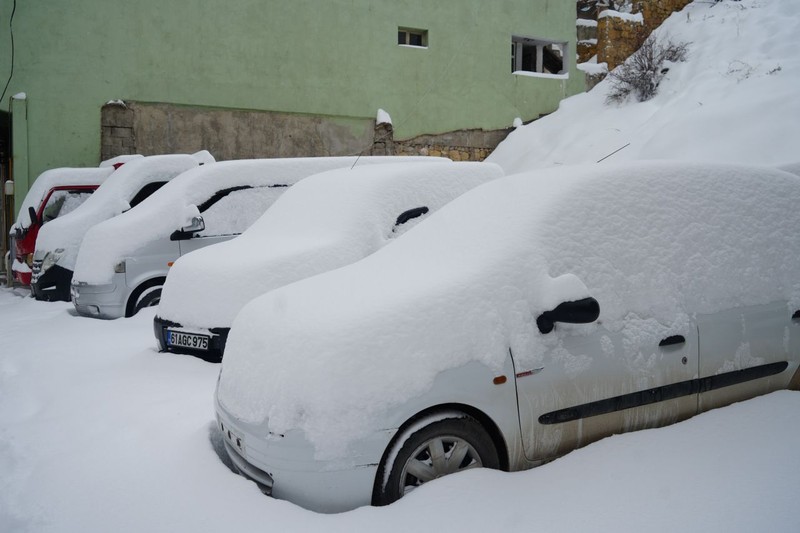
{"points": [[430, 449], [148, 299], [146, 295]]}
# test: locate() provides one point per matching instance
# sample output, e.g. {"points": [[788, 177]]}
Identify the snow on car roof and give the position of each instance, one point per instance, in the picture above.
{"points": [[56, 177], [323, 222], [111, 199], [652, 242], [173, 206]]}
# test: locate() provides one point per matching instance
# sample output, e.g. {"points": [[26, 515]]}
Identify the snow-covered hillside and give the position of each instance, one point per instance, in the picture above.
{"points": [[735, 99]]}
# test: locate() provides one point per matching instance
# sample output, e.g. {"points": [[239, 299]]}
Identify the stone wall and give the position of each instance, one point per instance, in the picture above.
{"points": [[156, 128], [463, 145], [657, 11], [619, 37]]}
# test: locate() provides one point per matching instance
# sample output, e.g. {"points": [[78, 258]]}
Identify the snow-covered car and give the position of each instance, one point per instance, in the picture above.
{"points": [[531, 316], [123, 261], [324, 222], [58, 242], [55, 193]]}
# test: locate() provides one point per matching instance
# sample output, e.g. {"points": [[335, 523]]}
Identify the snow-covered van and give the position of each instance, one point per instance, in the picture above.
{"points": [[123, 261], [324, 222], [58, 242], [55, 193], [531, 316]]}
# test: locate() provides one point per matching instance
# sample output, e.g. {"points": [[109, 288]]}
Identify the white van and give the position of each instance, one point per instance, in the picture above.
{"points": [[124, 261], [58, 242], [324, 222]]}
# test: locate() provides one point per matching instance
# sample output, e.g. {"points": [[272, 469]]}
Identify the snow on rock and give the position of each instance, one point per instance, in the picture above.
{"points": [[383, 117], [111, 199], [332, 354], [630, 17], [733, 100], [593, 68], [54, 178], [322, 223]]}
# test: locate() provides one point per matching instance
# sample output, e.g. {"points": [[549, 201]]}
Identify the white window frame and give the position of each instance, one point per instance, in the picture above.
{"points": [[520, 43], [408, 32]]}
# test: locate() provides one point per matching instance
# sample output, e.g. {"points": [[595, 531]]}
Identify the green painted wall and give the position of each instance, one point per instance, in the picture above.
{"points": [[333, 57]]}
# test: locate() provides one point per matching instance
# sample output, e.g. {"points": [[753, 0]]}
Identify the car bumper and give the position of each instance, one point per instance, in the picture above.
{"points": [[99, 301], [284, 467], [51, 285], [216, 345]]}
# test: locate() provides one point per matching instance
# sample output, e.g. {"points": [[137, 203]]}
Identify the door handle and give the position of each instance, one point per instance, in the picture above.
{"points": [[796, 315], [672, 340]]}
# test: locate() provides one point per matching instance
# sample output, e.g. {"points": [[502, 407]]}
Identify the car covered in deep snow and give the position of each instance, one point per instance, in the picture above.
{"points": [[531, 316], [56, 192], [58, 242], [123, 261], [324, 222]]}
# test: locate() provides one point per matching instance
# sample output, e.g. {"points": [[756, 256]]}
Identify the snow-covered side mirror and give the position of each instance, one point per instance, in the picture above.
{"points": [[195, 225]]}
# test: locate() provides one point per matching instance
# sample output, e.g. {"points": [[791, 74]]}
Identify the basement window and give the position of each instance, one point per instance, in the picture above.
{"points": [[412, 37], [538, 57]]}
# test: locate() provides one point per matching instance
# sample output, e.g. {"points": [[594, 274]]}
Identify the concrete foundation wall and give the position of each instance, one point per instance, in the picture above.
{"points": [[155, 128], [158, 128]]}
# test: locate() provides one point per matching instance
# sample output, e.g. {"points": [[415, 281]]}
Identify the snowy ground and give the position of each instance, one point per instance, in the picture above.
{"points": [[99, 432]]}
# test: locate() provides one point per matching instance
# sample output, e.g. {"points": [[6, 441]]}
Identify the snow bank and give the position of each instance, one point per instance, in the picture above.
{"points": [[733, 100], [111, 199], [657, 240], [323, 222], [173, 206], [54, 178]]}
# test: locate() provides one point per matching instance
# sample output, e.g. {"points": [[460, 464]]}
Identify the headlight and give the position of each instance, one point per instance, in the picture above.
{"points": [[51, 258], [119, 268]]}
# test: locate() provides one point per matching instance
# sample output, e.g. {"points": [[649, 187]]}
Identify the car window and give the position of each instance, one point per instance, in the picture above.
{"points": [[62, 202], [234, 211], [146, 191]]}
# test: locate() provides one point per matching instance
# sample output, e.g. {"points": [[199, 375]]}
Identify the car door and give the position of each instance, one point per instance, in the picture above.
{"points": [[747, 351], [590, 382]]}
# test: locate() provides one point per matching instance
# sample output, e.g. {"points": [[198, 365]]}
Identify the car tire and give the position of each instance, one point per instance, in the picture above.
{"points": [[459, 439], [146, 295]]}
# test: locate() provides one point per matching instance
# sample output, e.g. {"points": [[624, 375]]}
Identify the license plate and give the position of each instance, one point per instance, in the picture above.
{"points": [[237, 441], [187, 340]]}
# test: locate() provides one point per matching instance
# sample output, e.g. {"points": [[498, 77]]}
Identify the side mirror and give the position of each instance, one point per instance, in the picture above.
{"points": [[32, 215], [195, 225], [583, 311]]}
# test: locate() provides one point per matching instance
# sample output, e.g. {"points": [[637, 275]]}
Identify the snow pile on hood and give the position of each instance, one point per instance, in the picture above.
{"points": [[733, 100], [111, 199], [54, 178], [331, 354], [173, 206], [322, 223]]}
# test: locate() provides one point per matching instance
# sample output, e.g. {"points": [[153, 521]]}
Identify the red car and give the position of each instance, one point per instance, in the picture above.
{"points": [[55, 192]]}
